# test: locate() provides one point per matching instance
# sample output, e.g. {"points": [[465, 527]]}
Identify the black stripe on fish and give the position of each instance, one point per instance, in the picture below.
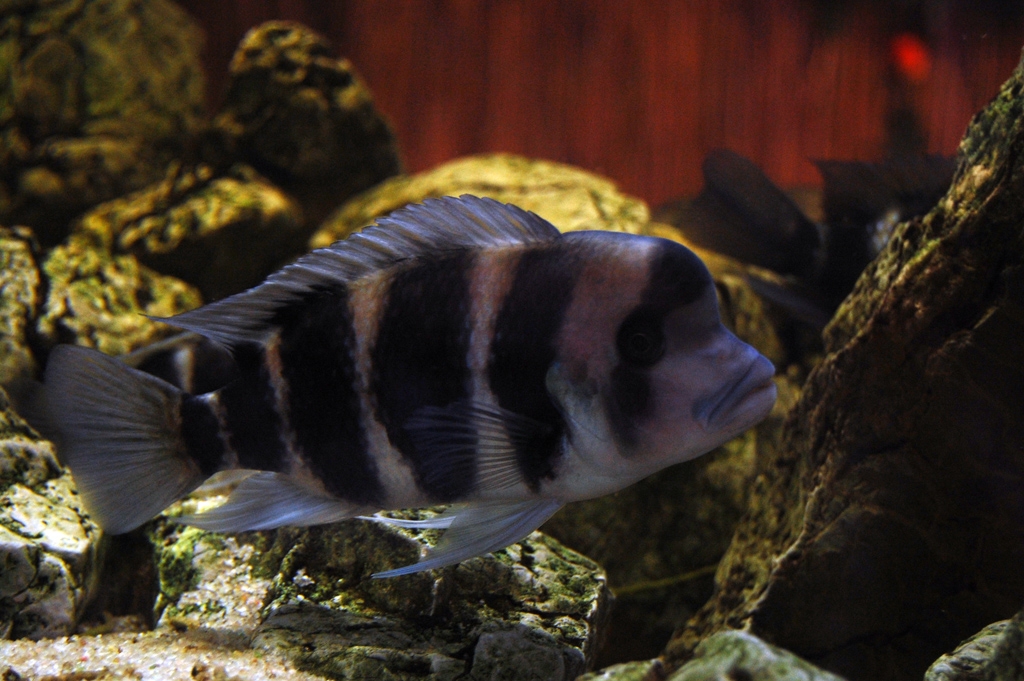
{"points": [[420, 359], [676, 277], [316, 350], [523, 350], [254, 428], [200, 430]]}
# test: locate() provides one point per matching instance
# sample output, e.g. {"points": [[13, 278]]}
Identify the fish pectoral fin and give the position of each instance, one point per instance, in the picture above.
{"points": [[472, 438], [480, 528], [266, 500]]}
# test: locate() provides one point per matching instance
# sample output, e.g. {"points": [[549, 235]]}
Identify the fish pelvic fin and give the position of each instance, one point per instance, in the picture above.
{"points": [[118, 430], [476, 529]]}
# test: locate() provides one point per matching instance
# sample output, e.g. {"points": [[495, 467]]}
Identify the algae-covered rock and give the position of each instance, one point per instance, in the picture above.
{"points": [[725, 656], [740, 655], [48, 549], [208, 580], [889, 525], [996, 653], [101, 300], [19, 301], [222, 233], [568, 197], [98, 96], [304, 118]]}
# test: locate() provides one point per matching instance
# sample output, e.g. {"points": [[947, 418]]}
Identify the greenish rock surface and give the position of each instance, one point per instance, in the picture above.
{"points": [[996, 653], [97, 96], [638, 670], [889, 524], [568, 197], [731, 655], [101, 300], [48, 549], [222, 233], [209, 580], [533, 610], [304, 119], [19, 302]]}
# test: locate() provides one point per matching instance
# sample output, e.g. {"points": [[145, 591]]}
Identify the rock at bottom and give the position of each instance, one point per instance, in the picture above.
{"points": [[531, 611], [739, 655]]}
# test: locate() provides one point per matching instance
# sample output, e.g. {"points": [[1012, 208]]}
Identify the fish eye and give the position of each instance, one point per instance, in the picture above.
{"points": [[641, 341]]}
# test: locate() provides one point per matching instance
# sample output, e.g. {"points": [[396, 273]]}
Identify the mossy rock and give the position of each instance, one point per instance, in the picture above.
{"points": [[740, 655], [104, 301]]}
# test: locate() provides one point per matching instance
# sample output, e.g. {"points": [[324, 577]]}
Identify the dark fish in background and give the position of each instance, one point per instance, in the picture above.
{"points": [[862, 202], [743, 214], [461, 351]]}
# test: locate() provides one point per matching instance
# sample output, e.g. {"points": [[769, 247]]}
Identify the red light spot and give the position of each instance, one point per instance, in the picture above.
{"points": [[911, 56]]}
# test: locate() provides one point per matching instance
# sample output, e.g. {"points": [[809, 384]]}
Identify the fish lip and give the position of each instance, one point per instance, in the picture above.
{"points": [[757, 377]]}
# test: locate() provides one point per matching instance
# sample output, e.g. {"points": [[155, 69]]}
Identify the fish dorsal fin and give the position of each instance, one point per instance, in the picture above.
{"points": [[435, 226]]}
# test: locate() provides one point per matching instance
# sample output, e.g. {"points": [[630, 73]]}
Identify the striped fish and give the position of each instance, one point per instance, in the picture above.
{"points": [[458, 352]]}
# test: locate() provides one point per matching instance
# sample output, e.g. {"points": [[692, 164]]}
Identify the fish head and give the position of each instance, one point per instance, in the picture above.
{"points": [[647, 375]]}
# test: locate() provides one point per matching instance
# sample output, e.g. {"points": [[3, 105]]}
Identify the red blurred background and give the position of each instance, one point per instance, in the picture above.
{"points": [[640, 91]]}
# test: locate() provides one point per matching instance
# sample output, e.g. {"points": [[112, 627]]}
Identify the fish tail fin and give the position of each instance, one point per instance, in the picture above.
{"points": [[118, 430]]}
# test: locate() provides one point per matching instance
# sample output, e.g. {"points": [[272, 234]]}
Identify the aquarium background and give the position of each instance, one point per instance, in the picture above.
{"points": [[641, 91]]}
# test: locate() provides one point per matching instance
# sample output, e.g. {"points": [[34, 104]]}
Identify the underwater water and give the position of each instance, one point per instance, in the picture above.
{"points": [[869, 524]]}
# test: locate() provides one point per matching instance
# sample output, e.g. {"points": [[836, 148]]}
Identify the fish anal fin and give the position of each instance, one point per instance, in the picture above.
{"points": [[265, 500]]}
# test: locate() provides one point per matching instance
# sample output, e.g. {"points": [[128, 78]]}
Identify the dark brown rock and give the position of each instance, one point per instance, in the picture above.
{"points": [[890, 523], [98, 96], [304, 119]]}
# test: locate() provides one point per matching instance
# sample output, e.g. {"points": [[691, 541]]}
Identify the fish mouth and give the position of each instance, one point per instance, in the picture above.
{"points": [[750, 397]]}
